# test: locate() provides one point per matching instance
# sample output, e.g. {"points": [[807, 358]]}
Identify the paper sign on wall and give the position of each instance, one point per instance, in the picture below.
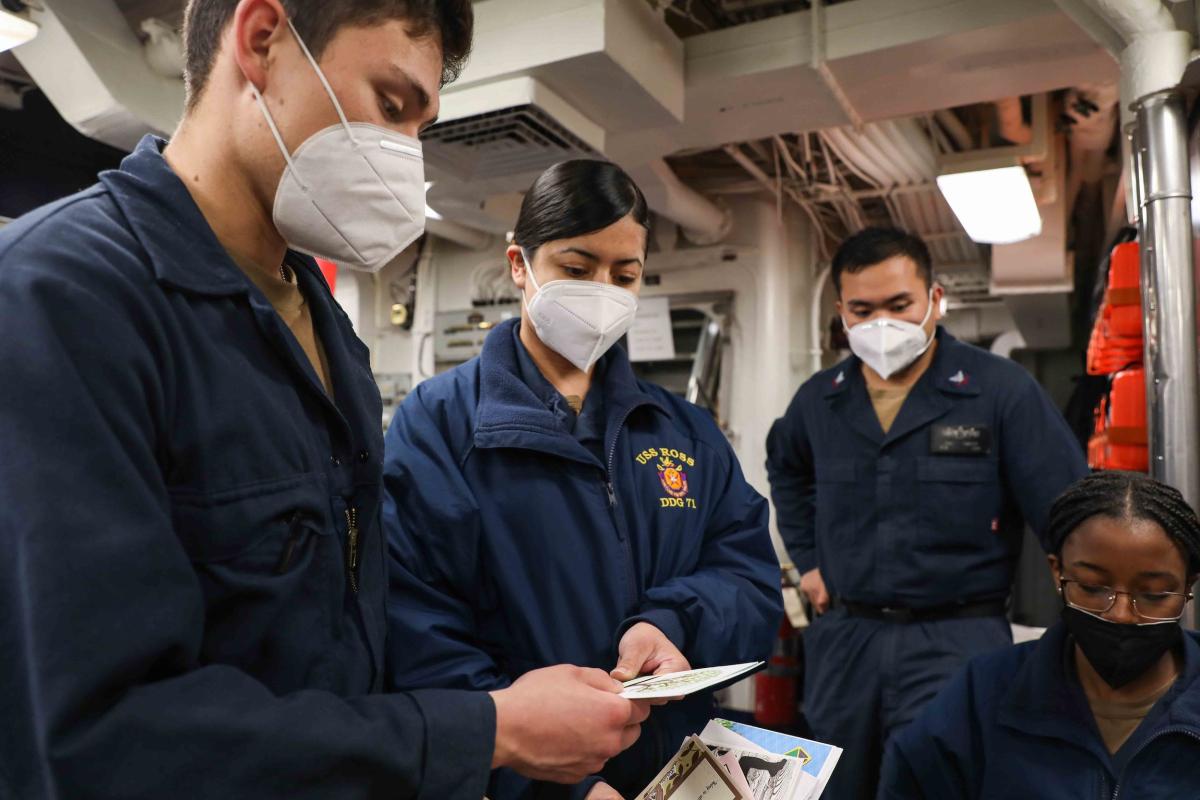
{"points": [[650, 337]]}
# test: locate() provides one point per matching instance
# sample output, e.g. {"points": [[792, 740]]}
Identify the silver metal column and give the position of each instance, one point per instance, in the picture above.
{"points": [[1168, 292], [702, 383]]}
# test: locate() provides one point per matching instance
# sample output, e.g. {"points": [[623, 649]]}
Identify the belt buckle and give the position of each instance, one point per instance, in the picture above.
{"points": [[895, 614]]}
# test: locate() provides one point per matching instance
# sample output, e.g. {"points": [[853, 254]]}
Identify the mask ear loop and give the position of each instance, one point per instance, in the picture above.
{"points": [[928, 314], [929, 310], [262, 105], [258, 98], [321, 76], [529, 274]]}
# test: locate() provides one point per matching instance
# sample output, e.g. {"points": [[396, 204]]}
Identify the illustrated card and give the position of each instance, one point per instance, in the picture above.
{"points": [[693, 774], [817, 759], [678, 684]]}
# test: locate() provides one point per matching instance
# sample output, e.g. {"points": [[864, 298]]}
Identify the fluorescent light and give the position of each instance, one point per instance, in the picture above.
{"points": [[429, 212], [995, 206], [15, 30]]}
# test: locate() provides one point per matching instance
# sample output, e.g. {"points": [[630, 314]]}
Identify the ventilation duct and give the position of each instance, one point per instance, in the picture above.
{"points": [[509, 140], [615, 60], [497, 138], [890, 59], [599, 66], [93, 69], [1042, 264], [617, 66]]}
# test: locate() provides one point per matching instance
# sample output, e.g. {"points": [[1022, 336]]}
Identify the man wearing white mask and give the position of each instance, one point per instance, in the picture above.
{"points": [[544, 505], [193, 601], [901, 478]]}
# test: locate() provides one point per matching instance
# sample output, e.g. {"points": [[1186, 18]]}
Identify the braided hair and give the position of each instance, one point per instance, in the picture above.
{"points": [[1126, 495]]}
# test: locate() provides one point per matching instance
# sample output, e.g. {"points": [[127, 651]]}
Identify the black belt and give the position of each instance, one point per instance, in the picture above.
{"points": [[982, 608]]}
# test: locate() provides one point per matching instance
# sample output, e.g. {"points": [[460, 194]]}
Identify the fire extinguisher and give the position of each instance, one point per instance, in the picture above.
{"points": [[775, 701]]}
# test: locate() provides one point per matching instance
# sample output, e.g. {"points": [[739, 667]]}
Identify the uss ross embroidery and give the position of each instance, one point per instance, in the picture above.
{"points": [[672, 466]]}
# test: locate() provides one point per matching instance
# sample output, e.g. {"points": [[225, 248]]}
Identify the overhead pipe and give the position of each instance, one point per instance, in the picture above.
{"points": [[1093, 24], [916, 145], [815, 351], [954, 128], [1093, 112], [1010, 121], [882, 139], [848, 149], [1156, 52], [91, 67], [1153, 57], [765, 180], [1134, 18], [701, 220]]}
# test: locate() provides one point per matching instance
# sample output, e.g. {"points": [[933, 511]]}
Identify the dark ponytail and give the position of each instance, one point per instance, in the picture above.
{"points": [[573, 198]]}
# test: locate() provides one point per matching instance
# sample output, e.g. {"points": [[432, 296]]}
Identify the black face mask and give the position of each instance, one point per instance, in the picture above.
{"points": [[1120, 652]]}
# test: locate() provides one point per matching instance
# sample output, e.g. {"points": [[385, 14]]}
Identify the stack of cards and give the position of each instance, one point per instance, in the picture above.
{"points": [[733, 761]]}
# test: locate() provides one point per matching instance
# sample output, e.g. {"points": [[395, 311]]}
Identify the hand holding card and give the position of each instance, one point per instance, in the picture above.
{"points": [[645, 650], [679, 684], [563, 723]]}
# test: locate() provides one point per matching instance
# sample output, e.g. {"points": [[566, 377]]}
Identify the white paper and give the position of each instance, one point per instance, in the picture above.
{"points": [[817, 759], [650, 336], [730, 763], [678, 684], [769, 776], [715, 733]]}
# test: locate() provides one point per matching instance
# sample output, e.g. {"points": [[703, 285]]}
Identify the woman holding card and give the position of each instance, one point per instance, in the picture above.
{"points": [[1107, 703], [545, 506]]}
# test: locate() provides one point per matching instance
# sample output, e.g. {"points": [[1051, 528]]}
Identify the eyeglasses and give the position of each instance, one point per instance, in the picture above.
{"points": [[1096, 599]]}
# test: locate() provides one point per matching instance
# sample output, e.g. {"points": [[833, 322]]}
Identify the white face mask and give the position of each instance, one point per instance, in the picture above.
{"points": [[579, 320], [889, 345], [352, 193]]}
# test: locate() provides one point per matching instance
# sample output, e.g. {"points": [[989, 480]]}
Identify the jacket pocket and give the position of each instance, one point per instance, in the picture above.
{"points": [[838, 497], [268, 561], [960, 501]]}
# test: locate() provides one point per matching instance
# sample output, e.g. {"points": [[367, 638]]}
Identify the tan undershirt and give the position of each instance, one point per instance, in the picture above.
{"points": [[1117, 720], [292, 308], [887, 403]]}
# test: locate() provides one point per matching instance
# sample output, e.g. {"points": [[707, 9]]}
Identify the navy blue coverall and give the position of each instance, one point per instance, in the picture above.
{"points": [[1016, 723], [179, 614], [926, 517], [518, 542]]}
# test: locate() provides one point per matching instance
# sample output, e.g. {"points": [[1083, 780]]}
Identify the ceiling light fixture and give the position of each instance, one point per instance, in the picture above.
{"points": [[993, 202], [15, 30]]}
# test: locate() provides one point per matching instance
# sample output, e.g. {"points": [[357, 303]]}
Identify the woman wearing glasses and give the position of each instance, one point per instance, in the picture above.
{"points": [[1107, 703]]}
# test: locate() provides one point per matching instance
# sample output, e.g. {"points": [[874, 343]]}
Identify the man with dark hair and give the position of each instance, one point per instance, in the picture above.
{"points": [[317, 21], [194, 573], [872, 246], [901, 477]]}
